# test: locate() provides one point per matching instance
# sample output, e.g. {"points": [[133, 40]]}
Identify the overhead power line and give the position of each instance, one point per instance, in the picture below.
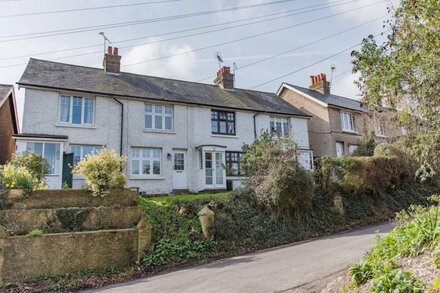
{"points": [[249, 37], [300, 47], [206, 47], [312, 64], [130, 23], [320, 6], [87, 8]]}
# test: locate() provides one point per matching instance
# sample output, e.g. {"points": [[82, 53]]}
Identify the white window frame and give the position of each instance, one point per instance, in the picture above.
{"points": [[57, 170], [81, 146], [283, 120], [163, 116], [71, 111], [140, 160], [347, 122]]}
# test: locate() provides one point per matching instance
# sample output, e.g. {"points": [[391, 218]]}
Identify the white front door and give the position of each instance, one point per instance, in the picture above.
{"points": [[339, 149], [215, 172], [180, 179]]}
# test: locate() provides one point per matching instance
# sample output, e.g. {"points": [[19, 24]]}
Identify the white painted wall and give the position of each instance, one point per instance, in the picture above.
{"points": [[192, 128]]}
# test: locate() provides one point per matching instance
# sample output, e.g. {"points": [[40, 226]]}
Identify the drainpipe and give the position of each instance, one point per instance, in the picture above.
{"points": [[122, 123], [255, 124]]}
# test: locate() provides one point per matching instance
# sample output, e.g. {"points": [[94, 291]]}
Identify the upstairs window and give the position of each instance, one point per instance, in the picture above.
{"points": [[347, 122], [233, 165], [77, 110], [158, 117], [380, 129], [279, 126], [222, 122]]}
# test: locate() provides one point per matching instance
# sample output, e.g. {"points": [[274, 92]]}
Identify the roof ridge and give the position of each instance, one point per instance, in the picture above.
{"points": [[351, 99], [152, 76]]}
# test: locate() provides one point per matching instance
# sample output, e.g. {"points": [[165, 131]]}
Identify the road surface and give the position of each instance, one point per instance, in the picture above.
{"points": [[302, 267]]}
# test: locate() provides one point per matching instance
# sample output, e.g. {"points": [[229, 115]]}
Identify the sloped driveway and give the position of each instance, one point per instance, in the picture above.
{"points": [[290, 268]]}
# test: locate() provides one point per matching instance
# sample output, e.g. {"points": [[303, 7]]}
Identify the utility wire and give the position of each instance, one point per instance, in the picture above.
{"points": [[312, 64], [86, 9], [130, 23], [207, 47], [336, 3], [248, 37], [300, 47]]}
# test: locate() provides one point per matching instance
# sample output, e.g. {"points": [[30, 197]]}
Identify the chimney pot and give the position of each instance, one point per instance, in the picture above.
{"points": [[225, 79], [320, 83], [110, 50], [112, 61], [116, 51]]}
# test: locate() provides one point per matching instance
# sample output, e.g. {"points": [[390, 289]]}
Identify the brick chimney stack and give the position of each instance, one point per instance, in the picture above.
{"points": [[112, 61], [225, 79], [320, 83]]}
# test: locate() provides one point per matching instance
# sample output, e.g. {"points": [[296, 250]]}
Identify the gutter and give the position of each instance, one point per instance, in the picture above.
{"points": [[122, 124], [255, 124]]}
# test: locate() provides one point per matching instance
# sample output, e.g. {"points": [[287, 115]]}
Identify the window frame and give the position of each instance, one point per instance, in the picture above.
{"points": [[218, 120], [282, 120], [379, 130], [81, 146], [141, 160], [70, 114], [350, 122], [229, 162], [163, 116], [350, 147], [56, 169]]}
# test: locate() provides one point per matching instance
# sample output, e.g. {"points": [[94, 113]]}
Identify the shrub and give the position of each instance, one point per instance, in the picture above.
{"points": [[273, 171], [366, 147], [33, 162], [14, 177], [102, 171], [35, 233]]}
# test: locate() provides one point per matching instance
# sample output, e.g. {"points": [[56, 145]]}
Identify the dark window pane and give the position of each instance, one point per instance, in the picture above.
{"points": [[76, 112]]}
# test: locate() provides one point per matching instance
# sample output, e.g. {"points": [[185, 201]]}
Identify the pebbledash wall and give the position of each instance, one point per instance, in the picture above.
{"points": [[191, 134]]}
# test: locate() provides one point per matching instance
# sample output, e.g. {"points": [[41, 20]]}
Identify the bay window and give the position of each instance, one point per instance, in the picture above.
{"points": [[77, 110], [159, 117], [347, 122], [49, 151], [145, 161]]}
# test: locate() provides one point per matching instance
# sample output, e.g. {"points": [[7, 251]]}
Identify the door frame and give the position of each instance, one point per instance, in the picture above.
{"points": [[343, 148], [214, 184], [185, 166]]}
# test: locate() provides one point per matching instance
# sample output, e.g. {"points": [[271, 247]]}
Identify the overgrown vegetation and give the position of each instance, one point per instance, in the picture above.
{"points": [[35, 233], [102, 171], [33, 162], [366, 147], [419, 233], [275, 178]]}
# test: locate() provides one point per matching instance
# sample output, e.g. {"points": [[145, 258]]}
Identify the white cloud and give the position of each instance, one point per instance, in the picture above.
{"points": [[180, 66]]}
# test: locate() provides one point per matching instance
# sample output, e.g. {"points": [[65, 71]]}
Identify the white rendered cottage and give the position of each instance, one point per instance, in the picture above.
{"points": [[177, 135]]}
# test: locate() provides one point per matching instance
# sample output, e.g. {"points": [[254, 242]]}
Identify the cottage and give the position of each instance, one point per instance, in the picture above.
{"points": [[8, 122], [338, 124], [177, 135]]}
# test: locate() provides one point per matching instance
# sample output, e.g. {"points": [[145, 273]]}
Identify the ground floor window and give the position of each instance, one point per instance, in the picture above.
{"points": [[82, 151], [233, 165], [145, 161], [352, 148], [49, 151]]}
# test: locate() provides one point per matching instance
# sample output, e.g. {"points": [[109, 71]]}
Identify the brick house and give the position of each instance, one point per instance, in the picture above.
{"points": [[338, 123], [8, 122]]}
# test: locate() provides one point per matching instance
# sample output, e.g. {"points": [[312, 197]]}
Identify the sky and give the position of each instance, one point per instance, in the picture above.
{"points": [[282, 37]]}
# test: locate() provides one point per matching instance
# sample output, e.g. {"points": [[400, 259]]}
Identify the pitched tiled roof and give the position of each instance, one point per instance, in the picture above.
{"points": [[333, 100], [4, 90], [49, 74]]}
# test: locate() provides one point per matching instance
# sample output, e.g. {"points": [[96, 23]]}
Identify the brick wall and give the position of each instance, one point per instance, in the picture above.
{"points": [[7, 144]]}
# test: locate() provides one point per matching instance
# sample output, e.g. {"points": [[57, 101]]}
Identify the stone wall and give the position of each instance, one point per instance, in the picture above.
{"points": [[101, 232]]}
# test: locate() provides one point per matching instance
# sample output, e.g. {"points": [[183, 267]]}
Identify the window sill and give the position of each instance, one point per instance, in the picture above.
{"points": [[224, 136], [157, 177], [51, 175], [75, 126], [159, 131], [350, 132], [380, 135]]}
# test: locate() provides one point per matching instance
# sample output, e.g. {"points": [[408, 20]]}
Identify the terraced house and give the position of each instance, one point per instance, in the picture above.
{"points": [[177, 135], [338, 124]]}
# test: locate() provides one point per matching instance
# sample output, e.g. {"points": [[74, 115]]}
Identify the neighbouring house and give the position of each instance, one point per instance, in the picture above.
{"points": [[338, 124], [177, 135], [8, 122]]}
